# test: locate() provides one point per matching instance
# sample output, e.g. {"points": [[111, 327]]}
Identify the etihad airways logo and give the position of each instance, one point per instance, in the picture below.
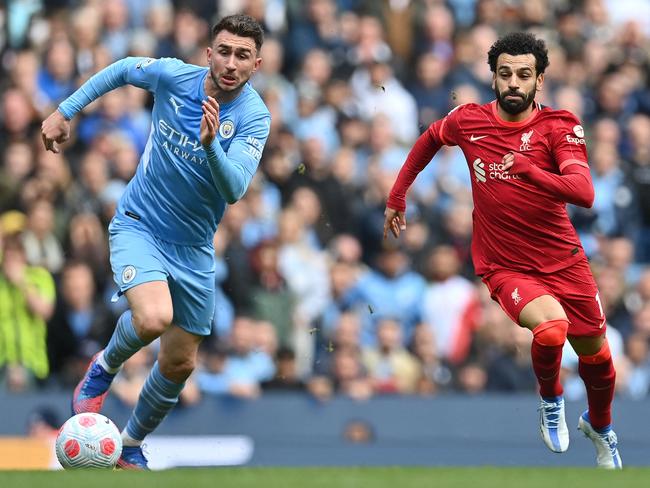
{"points": [[180, 144], [494, 171]]}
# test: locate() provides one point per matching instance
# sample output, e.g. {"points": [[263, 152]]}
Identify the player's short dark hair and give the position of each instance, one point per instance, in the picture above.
{"points": [[517, 43], [241, 25]]}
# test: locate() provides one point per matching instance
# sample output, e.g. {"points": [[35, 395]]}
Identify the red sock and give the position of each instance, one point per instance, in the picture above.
{"points": [[546, 351], [598, 373]]}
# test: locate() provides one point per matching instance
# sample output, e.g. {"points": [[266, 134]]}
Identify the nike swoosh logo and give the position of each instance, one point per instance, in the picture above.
{"points": [[473, 138]]}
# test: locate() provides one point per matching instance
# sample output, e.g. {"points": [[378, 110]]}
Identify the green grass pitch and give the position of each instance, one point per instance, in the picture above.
{"points": [[385, 477]]}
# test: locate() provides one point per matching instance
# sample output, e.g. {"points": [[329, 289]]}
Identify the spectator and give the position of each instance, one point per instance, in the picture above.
{"points": [[379, 91], [286, 375], [80, 326], [56, 79], [271, 298], [41, 245], [349, 376], [26, 303], [87, 243], [244, 367], [393, 289], [392, 369], [16, 169], [450, 305], [17, 115], [436, 375]]}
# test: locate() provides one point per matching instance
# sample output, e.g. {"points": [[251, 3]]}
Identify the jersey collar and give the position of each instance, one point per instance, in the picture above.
{"points": [[521, 123]]}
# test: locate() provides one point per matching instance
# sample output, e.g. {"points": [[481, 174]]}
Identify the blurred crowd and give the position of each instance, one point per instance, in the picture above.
{"points": [[309, 295]]}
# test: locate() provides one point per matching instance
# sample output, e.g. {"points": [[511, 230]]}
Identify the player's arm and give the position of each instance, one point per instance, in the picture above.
{"points": [[573, 185], [232, 172], [141, 72], [569, 150], [425, 148]]}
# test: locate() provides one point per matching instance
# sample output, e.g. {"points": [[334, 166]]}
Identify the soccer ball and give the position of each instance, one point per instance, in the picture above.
{"points": [[88, 440]]}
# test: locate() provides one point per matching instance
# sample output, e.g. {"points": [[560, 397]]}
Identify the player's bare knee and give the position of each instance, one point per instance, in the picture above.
{"points": [[541, 310], [176, 369], [150, 323], [591, 349]]}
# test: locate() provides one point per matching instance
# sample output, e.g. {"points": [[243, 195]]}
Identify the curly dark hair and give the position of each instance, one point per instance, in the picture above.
{"points": [[241, 25], [517, 43]]}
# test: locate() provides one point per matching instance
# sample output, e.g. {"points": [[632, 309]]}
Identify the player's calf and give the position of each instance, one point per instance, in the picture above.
{"points": [[546, 352]]}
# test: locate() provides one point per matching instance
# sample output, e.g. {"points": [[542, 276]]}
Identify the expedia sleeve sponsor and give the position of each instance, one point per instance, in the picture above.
{"points": [[579, 133], [574, 140]]}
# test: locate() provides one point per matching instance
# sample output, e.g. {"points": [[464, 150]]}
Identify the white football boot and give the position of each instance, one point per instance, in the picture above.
{"points": [[552, 424], [606, 444]]}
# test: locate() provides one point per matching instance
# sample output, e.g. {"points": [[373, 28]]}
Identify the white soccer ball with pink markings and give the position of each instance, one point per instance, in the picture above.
{"points": [[88, 440]]}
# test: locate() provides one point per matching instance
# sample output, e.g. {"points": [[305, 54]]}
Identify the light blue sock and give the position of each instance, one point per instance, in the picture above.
{"points": [[157, 398], [124, 342]]}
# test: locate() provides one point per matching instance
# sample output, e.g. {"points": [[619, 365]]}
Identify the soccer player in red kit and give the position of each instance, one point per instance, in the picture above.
{"points": [[527, 162]]}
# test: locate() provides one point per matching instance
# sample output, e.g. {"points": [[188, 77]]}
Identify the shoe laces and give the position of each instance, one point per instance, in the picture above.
{"points": [[551, 413], [610, 440], [96, 371]]}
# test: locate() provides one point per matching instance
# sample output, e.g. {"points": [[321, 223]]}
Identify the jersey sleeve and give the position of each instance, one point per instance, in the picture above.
{"points": [[141, 72], [147, 72], [568, 144], [233, 171], [445, 130]]}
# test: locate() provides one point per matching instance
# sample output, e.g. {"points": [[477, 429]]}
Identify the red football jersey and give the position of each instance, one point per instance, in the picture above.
{"points": [[517, 225]]}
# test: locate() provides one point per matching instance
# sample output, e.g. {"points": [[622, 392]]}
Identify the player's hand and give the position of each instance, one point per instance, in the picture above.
{"points": [[55, 129], [395, 221], [516, 163], [209, 121]]}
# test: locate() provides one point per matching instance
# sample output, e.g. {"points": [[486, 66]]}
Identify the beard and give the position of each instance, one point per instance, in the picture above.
{"points": [[215, 80], [516, 106]]}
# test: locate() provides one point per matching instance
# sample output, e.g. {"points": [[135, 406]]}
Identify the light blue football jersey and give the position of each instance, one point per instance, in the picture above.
{"points": [[173, 192]]}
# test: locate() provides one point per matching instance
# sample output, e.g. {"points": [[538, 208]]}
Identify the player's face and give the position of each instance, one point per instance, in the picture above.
{"points": [[232, 60], [516, 82]]}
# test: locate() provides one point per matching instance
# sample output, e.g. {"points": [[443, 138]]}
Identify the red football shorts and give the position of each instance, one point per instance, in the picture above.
{"points": [[574, 287]]}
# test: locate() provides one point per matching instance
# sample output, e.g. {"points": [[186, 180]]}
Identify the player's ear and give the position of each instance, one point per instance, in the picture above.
{"points": [[258, 63], [494, 80], [208, 54], [539, 83]]}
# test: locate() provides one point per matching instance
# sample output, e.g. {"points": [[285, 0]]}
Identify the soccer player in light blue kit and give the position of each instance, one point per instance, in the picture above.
{"points": [[209, 128]]}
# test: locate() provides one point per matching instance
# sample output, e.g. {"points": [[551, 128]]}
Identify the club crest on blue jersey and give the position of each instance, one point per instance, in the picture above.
{"points": [[227, 129], [128, 274]]}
